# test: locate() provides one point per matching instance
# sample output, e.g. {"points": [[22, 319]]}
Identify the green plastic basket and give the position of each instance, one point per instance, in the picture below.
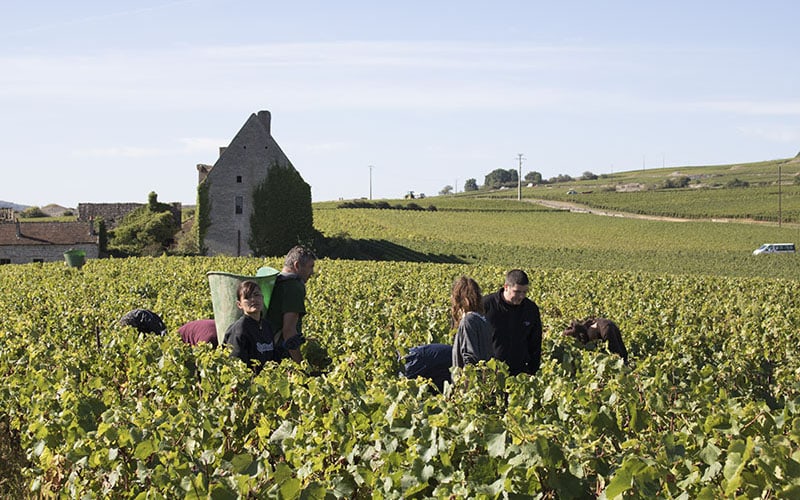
{"points": [[75, 258], [223, 295]]}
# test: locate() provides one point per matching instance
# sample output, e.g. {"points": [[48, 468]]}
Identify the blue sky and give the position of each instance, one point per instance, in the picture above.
{"points": [[107, 101]]}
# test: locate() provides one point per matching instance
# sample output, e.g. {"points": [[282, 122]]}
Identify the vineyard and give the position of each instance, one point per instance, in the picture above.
{"points": [[508, 232], [709, 194], [708, 407], [758, 203]]}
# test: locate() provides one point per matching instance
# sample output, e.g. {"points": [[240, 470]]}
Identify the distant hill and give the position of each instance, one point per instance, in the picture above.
{"points": [[51, 210], [754, 174], [767, 192], [54, 210], [17, 207]]}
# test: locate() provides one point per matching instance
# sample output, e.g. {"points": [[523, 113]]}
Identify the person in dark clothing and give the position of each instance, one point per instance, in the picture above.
{"points": [[251, 336], [145, 321], [287, 305], [517, 323], [431, 361], [201, 330], [594, 329]]}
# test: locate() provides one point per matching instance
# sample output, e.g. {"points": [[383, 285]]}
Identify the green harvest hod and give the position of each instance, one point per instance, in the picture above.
{"points": [[223, 294]]}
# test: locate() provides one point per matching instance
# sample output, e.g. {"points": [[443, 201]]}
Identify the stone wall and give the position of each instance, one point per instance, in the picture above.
{"points": [[25, 254], [113, 213]]}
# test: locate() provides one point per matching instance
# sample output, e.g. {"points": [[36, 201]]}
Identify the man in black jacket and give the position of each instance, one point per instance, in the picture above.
{"points": [[517, 323]]}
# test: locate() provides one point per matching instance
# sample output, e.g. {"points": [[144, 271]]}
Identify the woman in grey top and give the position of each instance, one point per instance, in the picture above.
{"points": [[473, 339]]}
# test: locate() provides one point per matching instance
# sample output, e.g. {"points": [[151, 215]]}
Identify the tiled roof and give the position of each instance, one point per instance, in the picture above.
{"points": [[46, 233]]}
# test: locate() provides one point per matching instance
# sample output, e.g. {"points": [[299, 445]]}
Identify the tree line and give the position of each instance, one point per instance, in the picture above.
{"points": [[499, 178]]}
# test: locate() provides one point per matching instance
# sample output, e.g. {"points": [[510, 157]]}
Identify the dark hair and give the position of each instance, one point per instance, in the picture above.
{"points": [[516, 277], [247, 289], [299, 255], [465, 297]]}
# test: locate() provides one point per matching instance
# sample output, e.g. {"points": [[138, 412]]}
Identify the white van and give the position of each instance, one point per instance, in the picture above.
{"points": [[774, 248]]}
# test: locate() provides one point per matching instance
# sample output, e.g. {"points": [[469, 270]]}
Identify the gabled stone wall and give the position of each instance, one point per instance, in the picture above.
{"points": [[241, 167]]}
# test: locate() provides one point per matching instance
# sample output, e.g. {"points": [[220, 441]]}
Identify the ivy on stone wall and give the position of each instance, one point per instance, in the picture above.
{"points": [[202, 216], [99, 225], [282, 215]]}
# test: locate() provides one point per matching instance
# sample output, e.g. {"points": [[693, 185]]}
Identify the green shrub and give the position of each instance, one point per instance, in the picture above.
{"points": [[148, 230], [676, 182], [32, 213], [736, 183]]}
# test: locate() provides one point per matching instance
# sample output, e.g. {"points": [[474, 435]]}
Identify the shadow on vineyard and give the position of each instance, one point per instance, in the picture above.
{"points": [[12, 460], [344, 247]]}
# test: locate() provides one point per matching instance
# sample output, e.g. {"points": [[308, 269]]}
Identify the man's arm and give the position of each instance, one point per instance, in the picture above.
{"points": [[535, 343], [289, 330]]}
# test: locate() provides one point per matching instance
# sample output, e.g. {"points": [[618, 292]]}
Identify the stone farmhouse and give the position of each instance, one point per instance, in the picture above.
{"points": [[23, 242], [241, 166]]}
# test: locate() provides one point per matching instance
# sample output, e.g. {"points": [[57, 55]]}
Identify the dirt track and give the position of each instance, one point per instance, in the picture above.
{"points": [[578, 208]]}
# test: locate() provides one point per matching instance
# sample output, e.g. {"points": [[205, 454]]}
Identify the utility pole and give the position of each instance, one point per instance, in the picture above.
{"points": [[519, 177], [779, 195], [370, 182]]}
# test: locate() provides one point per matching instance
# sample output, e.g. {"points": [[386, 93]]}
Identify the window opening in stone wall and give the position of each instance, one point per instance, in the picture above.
{"points": [[238, 179], [38, 260], [239, 202], [5, 261]]}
